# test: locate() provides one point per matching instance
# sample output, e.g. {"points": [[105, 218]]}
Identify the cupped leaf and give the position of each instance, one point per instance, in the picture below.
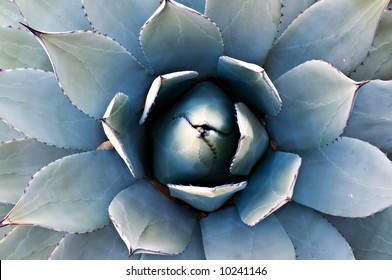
{"points": [[370, 238], [371, 117], [9, 14], [342, 38], [312, 236], [271, 185], [20, 160], [250, 84], [177, 38], [317, 102], [348, 178], [253, 142], [248, 27], [8, 133], [29, 243], [206, 198], [56, 15], [68, 195], [102, 244], [226, 237], [149, 223], [24, 95], [91, 66], [19, 48]]}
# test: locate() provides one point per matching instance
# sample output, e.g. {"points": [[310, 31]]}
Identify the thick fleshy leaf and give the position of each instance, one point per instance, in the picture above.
{"points": [[20, 160], [9, 14], [253, 142], [121, 126], [370, 238], [149, 223], [128, 18], [270, 186], [102, 244], [177, 38], [317, 102], [371, 117], [248, 26], [348, 178], [378, 63], [312, 236], [91, 66], [4, 209], [226, 237], [250, 84], [69, 195], [344, 43], [57, 123], [54, 15], [29, 243], [8, 133], [205, 198]]}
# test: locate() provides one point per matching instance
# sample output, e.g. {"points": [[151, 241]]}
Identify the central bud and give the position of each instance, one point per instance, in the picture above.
{"points": [[194, 141]]}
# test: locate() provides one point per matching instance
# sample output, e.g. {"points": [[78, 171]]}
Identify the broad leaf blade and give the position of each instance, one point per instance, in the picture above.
{"points": [[9, 14], [198, 5], [8, 133]]}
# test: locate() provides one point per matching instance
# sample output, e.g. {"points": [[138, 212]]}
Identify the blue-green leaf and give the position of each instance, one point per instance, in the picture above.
{"points": [[312, 236], [270, 186], [4, 209], [149, 223], [9, 14], [198, 5], [73, 193], [348, 178], [226, 237], [371, 117], [177, 38], [248, 26], [24, 95], [343, 36], [317, 100], [8, 133]]}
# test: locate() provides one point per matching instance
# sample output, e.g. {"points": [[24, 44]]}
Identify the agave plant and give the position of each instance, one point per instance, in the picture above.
{"points": [[199, 129]]}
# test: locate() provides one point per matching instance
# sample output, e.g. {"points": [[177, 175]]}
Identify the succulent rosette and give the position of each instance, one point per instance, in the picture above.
{"points": [[235, 129]]}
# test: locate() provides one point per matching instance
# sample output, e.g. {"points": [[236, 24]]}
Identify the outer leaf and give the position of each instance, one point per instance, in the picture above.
{"points": [[225, 236], [7, 133], [56, 123], [313, 89], [177, 38], [371, 238], [9, 14], [248, 26], [102, 244], [349, 178], [29, 243], [153, 224], [342, 38], [60, 196], [198, 5], [19, 161], [271, 185], [312, 236], [371, 118], [54, 15]]}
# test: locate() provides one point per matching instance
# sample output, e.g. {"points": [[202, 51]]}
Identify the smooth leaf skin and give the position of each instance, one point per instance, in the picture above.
{"points": [[371, 117], [60, 124], [177, 38], [342, 38], [33, 243], [317, 100], [313, 237], [226, 237], [205, 199], [370, 238], [127, 16], [20, 160], [91, 66], [270, 186], [9, 14], [4, 209], [54, 15], [7, 133], [250, 84], [260, 20], [152, 225], [102, 244], [63, 198], [349, 178], [19, 48], [198, 5]]}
